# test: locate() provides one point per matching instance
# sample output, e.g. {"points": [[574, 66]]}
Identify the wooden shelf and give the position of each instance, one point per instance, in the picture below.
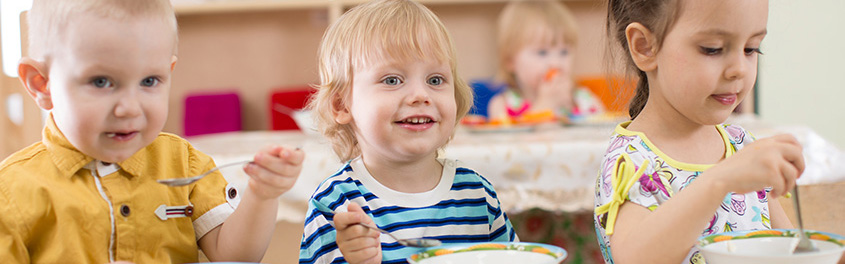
{"points": [[234, 6], [256, 47]]}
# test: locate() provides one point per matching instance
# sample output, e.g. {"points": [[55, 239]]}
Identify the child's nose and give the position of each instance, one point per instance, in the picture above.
{"points": [[738, 67], [128, 105], [419, 94]]}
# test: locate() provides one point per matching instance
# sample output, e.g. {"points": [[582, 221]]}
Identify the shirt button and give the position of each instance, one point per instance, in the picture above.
{"points": [[189, 211], [233, 193], [124, 210]]}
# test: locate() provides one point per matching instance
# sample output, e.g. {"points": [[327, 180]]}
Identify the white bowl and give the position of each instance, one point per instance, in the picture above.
{"points": [[769, 246], [305, 121], [490, 253]]}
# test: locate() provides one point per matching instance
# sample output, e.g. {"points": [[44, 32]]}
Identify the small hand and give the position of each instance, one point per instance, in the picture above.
{"points": [[770, 162], [555, 91], [274, 171], [357, 243]]}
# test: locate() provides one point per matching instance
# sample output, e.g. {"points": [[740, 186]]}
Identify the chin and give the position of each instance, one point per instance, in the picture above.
{"points": [[715, 120]]}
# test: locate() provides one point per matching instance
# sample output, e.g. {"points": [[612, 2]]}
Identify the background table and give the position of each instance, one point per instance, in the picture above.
{"points": [[553, 169], [545, 178]]}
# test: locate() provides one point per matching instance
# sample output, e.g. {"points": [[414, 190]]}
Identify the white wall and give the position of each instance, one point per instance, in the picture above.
{"points": [[802, 74]]}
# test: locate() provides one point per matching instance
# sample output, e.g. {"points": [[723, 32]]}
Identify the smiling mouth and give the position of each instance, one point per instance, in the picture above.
{"points": [[726, 99], [416, 121]]}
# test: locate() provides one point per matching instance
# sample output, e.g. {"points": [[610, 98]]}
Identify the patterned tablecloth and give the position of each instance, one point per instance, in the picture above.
{"points": [[552, 169]]}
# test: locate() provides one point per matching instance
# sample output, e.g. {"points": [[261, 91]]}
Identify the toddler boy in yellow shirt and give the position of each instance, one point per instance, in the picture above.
{"points": [[87, 193]]}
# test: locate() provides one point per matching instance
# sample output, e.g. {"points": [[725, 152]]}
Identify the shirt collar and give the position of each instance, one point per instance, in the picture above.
{"points": [[69, 160]]}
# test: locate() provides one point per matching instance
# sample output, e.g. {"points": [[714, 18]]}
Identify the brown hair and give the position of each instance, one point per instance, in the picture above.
{"points": [[523, 22], [657, 16], [47, 18], [400, 30]]}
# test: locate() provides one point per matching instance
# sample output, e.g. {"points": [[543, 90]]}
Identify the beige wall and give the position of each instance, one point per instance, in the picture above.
{"points": [[257, 52], [802, 74]]}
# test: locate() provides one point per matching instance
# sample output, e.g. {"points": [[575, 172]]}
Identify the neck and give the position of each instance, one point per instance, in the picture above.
{"points": [[679, 137], [412, 176]]}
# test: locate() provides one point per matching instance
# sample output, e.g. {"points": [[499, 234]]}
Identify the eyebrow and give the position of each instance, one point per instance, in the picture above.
{"points": [[719, 32]]}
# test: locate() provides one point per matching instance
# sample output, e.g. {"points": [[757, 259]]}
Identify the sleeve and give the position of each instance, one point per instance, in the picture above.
{"points": [[501, 229], [738, 136], [14, 249], [588, 102], [318, 244], [209, 197], [629, 180]]}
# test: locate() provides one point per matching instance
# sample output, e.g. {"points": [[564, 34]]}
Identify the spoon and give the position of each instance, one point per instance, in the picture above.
{"points": [[189, 180], [804, 244], [409, 242]]}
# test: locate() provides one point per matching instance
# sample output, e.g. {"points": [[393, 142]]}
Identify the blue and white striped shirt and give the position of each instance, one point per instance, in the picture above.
{"points": [[462, 208]]}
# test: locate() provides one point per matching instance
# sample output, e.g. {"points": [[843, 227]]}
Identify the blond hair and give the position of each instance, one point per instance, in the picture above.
{"points": [[48, 18], [524, 22], [396, 30]]}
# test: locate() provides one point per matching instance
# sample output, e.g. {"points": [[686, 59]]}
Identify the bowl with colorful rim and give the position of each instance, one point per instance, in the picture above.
{"points": [[769, 246], [490, 253]]}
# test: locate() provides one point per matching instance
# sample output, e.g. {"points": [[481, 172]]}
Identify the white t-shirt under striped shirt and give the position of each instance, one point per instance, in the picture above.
{"points": [[462, 208]]}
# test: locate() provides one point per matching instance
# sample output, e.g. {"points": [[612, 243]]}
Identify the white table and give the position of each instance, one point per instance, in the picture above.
{"points": [[552, 169]]}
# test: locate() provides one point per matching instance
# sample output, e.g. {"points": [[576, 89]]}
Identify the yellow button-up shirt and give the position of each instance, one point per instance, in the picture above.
{"points": [[56, 207]]}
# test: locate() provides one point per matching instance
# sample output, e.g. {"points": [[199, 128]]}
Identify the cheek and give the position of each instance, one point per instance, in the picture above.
{"points": [[448, 106]]}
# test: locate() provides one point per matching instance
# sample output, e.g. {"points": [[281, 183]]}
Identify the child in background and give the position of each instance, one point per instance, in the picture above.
{"points": [[389, 100], [536, 41], [87, 193], [675, 172]]}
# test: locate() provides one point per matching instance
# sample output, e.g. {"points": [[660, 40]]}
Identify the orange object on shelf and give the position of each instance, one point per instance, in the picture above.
{"points": [[615, 92]]}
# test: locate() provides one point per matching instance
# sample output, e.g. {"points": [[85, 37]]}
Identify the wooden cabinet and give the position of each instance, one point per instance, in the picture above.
{"points": [[257, 46], [14, 101]]}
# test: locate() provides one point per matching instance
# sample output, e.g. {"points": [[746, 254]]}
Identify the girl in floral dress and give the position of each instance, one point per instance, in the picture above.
{"points": [[675, 172]]}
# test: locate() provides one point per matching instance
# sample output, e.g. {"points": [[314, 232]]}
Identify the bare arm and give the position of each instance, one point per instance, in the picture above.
{"points": [[662, 236], [777, 215], [245, 235], [667, 234], [496, 108]]}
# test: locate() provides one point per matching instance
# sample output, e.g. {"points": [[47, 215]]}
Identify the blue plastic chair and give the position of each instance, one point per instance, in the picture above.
{"points": [[484, 90]]}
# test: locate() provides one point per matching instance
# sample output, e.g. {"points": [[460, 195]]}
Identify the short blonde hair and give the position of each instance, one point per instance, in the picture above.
{"points": [[400, 30], [48, 18], [527, 21]]}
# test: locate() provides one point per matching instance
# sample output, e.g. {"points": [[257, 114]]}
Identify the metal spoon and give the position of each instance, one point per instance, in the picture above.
{"points": [[189, 180], [409, 242], [804, 244]]}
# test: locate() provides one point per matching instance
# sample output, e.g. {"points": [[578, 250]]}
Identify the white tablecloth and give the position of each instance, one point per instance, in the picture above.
{"points": [[552, 169]]}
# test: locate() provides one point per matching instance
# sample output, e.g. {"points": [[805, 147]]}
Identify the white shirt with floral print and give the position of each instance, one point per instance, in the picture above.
{"points": [[653, 178]]}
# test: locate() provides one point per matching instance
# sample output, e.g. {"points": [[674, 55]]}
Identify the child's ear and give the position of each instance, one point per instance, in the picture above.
{"points": [[33, 76], [173, 63], [341, 112], [642, 44]]}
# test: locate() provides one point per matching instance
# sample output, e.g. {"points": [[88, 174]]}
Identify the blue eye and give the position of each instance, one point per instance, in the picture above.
{"points": [[149, 81], [436, 80], [542, 52], [711, 51], [101, 82], [391, 80]]}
